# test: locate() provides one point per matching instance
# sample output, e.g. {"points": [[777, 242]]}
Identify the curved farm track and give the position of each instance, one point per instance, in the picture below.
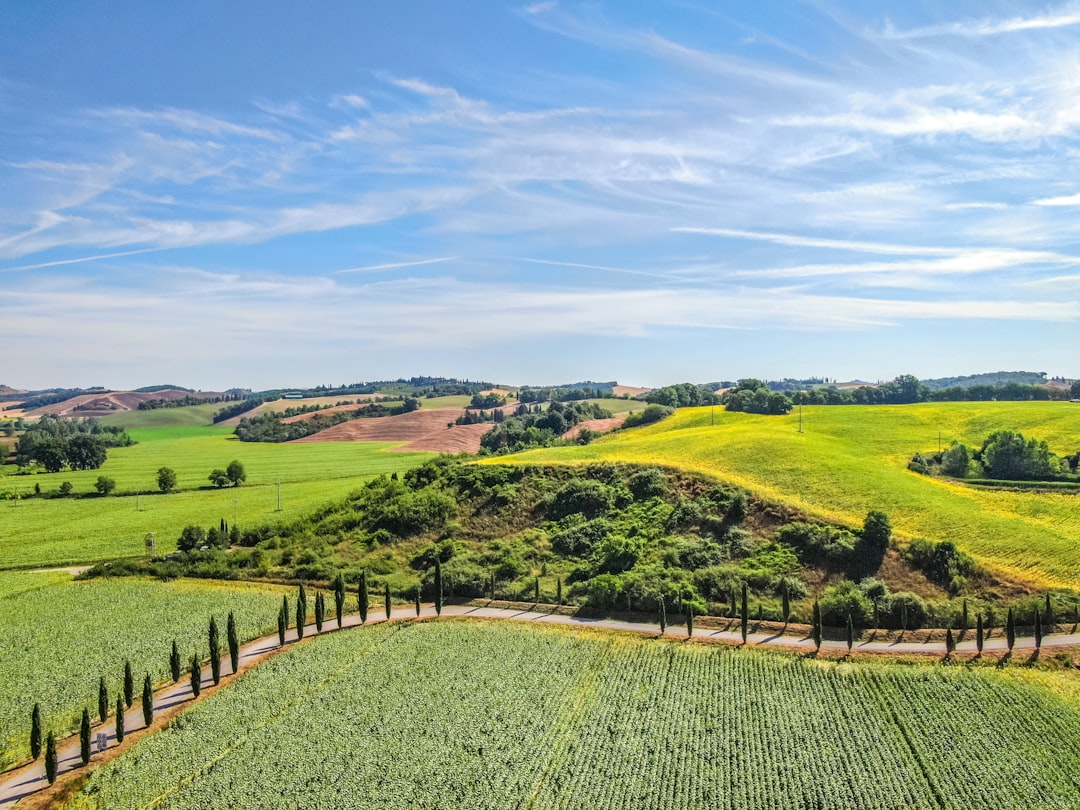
{"points": [[28, 781]]}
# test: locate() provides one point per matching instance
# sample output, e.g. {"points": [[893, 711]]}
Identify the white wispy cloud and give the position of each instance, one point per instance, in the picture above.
{"points": [[1064, 17], [1057, 202], [371, 268]]}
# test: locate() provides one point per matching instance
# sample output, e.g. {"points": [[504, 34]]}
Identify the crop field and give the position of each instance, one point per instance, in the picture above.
{"points": [[189, 416], [851, 459], [54, 531], [61, 636], [420, 715]]}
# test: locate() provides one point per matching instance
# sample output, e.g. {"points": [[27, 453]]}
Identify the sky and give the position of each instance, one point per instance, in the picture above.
{"points": [[277, 194]]}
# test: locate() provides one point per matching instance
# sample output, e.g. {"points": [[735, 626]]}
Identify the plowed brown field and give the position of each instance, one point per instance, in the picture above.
{"points": [[423, 430]]}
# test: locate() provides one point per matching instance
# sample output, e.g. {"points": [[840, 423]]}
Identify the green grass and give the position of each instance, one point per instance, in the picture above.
{"points": [[852, 459], [165, 417], [421, 715], [617, 406], [54, 531], [59, 637], [445, 402]]}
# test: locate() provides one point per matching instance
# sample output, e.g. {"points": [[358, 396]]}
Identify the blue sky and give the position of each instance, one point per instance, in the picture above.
{"points": [[277, 194]]}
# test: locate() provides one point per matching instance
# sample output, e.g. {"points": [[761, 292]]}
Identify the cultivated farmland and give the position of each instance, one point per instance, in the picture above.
{"points": [[851, 459], [61, 636], [456, 714]]}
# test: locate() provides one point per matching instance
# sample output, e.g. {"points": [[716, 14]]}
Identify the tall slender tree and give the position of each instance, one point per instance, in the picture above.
{"points": [[386, 599], [950, 641], [119, 719], [50, 758], [438, 586], [147, 700], [816, 625], [1048, 615], [129, 685], [745, 613], [964, 616], [320, 611], [215, 652], [234, 643], [689, 620], [1038, 630], [84, 737], [285, 609], [663, 616], [195, 675], [174, 662], [339, 599], [850, 633], [102, 700], [979, 633], [301, 599], [362, 596], [558, 591], [1010, 630], [35, 732], [417, 600], [301, 617]]}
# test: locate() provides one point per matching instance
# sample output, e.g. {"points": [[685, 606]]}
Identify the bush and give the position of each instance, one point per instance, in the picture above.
{"points": [[942, 562], [651, 414], [829, 543], [589, 498], [648, 483], [838, 602], [579, 541], [191, 538], [604, 591]]}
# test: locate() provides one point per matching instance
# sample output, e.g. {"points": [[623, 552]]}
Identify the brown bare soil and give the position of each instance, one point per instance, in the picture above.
{"points": [[113, 402], [598, 425], [620, 390], [423, 430]]}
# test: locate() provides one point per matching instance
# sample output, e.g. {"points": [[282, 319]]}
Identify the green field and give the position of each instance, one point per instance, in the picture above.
{"points": [[464, 714], [61, 636], [851, 459], [189, 416], [54, 531]]}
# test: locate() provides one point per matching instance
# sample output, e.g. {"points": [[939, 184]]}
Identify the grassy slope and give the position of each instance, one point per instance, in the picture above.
{"points": [[96, 626], [40, 531], [853, 459], [192, 415], [422, 716]]}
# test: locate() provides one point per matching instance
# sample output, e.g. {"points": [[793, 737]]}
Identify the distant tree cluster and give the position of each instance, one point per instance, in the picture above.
{"points": [[907, 389], [78, 444], [567, 393], [186, 401], [1004, 455], [233, 475], [682, 395], [533, 426], [753, 396]]}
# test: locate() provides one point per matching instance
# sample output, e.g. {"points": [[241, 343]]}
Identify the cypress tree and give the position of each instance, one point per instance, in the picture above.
{"points": [[386, 599], [417, 600], [174, 662], [663, 616], [281, 626], [536, 590], [1010, 630], [362, 596], [689, 621], [234, 642], [215, 652], [903, 616], [50, 758], [1048, 613], [195, 677], [84, 737], [35, 732], [950, 641], [558, 591], [438, 587], [147, 701], [785, 601], [102, 700], [119, 719], [285, 609], [1038, 630], [320, 610], [339, 599], [964, 616], [301, 599], [301, 617], [979, 633], [745, 615], [816, 625], [850, 633], [129, 685]]}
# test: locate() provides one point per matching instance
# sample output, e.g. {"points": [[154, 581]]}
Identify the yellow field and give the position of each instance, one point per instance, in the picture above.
{"points": [[851, 459]]}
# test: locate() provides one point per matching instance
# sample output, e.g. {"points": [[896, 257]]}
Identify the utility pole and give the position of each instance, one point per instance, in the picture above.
{"points": [[800, 418]]}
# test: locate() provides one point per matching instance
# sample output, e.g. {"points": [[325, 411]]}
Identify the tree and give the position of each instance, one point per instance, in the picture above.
{"points": [[147, 701], [850, 634], [85, 452], [785, 601], [102, 700], [417, 600], [816, 625], [234, 643], [1010, 630], [979, 633], [1048, 614], [119, 719], [955, 460], [950, 641], [744, 614], [166, 479], [219, 478], [301, 617], [104, 485], [282, 623], [558, 591], [174, 662], [964, 616], [129, 685], [35, 732], [320, 611], [362, 596], [663, 616], [50, 758], [386, 599], [1038, 630], [339, 599], [438, 587], [874, 541], [195, 678], [285, 609], [215, 652], [65, 488], [191, 538], [235, 472], [84, 737], [690, 621]]}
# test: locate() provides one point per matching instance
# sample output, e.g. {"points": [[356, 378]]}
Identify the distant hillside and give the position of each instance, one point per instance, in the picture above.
{"points": [[990, 378]]}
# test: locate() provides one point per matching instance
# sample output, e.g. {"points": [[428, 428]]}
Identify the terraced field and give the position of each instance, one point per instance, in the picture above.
{"points": [[61, 636], [851, 459], [467, 714]]}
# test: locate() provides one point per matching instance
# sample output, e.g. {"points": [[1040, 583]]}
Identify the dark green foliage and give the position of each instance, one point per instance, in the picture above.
{"points": [[690, 621], [956, 460], [174, 662], [818, 542], [438, 587], [84, 737], [320, 610], [35, 732], [581, 496], [652, 482], [649, 416], [682, 395], [339, 599], [558, 591], [104, 485], [1048, 614], [744, 613], [236, 473], [753, 396], [215, 652], [536, 590], [191, 538], [663, 616], [1010, 630], [233, 641], [119, 719], [301, 617], [417, 600], [785, 601], [1006, 455], [50, 758], [129, 685], [386, 600], [529, 428], [195, 676], [166, 479], [362, 596], [816, 625], [979, 633], [964, 616], [850, 634], [147, 700], [103, 700], [1038, 630], [282, 624], [942, 562], [874, 541], [950, 641]]}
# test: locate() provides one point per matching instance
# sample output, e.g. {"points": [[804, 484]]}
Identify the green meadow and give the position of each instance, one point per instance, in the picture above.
{"points": [[187, 416], [851, 459], [61, 531]]}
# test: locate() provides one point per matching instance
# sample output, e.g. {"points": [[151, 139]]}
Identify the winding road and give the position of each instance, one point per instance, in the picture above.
{"points": [[27, 780]]}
